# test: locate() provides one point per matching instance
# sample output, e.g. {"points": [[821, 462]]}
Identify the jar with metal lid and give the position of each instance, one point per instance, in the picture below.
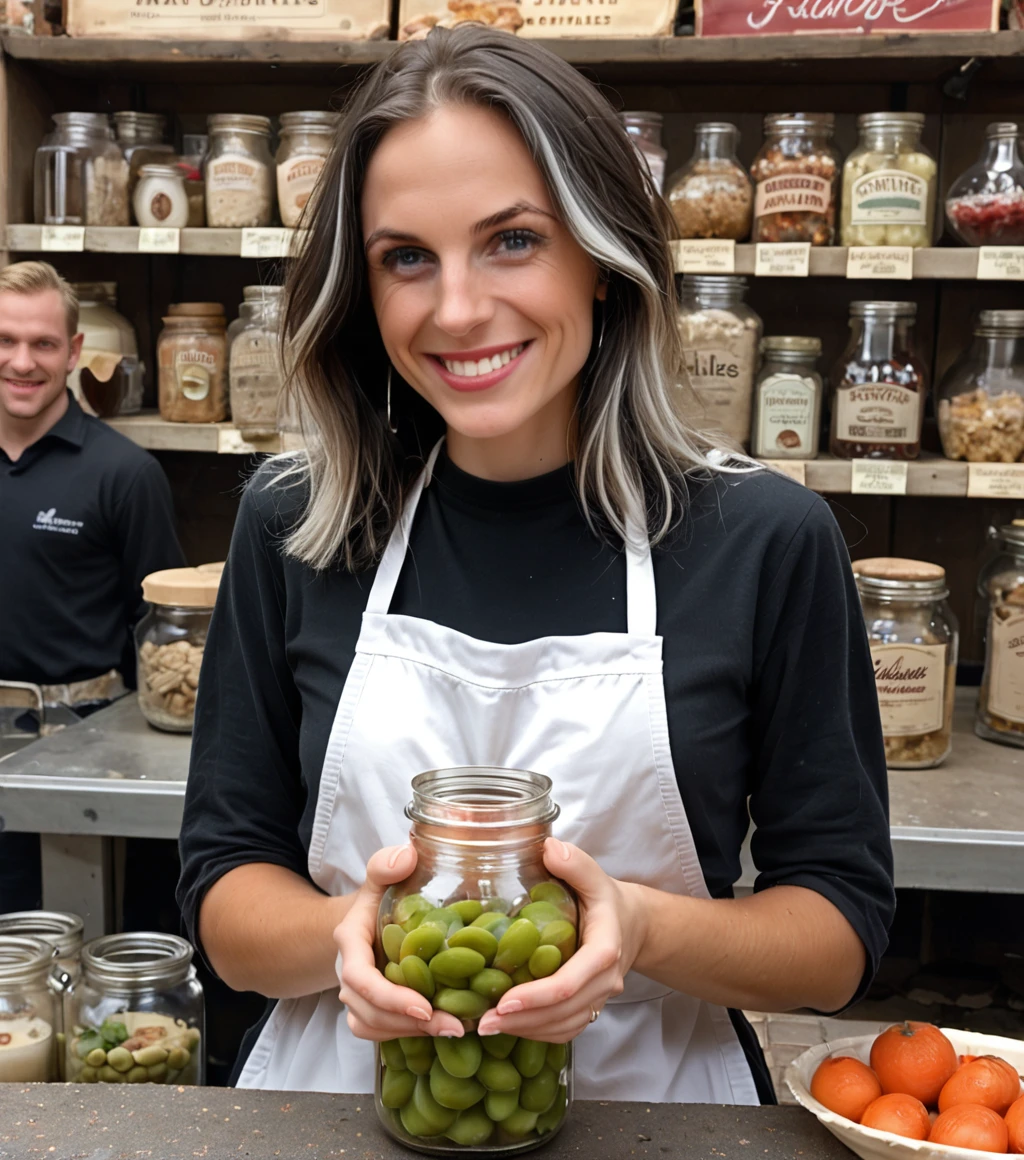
{"points": [[160, 197], [981, 396], [306, 140], [479, 915], [255, 370], [143, 142], [787, 399], [81, 176], [985, 206], [1000, 714], [28, 1013], [720, 336], [136, 1015], [644, 130], [169, 642], [796, 180], [192, 362], [914, 639], [711, 196], [239, 171], [880, 385], [889, 184]]}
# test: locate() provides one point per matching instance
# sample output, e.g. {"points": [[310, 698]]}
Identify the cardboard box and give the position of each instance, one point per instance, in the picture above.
{"points": [[542, 18], [231, 19], [785, 17]]}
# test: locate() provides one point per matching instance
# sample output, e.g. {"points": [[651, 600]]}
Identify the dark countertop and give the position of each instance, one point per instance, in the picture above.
{"points": [[148, 1122]]}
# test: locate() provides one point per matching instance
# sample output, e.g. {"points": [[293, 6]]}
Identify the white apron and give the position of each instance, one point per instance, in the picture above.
{"points": [[588, 711]]}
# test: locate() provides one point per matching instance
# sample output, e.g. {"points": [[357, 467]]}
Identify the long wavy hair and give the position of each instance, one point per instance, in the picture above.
{"points": [[633, 451]]}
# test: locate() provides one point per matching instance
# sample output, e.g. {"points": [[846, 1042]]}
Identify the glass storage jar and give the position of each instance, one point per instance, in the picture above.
{"points": [[721, 336], [136, 1015], [306, 140], [239, 171], [170, 640], [985, 206], [1000, 714], [160, 197], [479, 914], [889, 184], [81, 176], [28, 1013], [880, 385], [255, 370], [142, 140], [108, 377], [914, 638], [645, 131], [796, 180], [192, 362], [193, 154], [787, 399], [981, 396], [711, 196]]}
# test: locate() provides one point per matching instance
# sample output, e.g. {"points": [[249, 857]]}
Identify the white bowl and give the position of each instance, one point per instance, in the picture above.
{"points": [[869, 1143]]}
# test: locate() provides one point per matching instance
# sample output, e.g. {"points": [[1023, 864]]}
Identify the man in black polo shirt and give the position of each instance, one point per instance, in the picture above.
{"points": [[85, 514]]}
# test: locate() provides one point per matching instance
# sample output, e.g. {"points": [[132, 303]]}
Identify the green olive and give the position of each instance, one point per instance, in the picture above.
{"points": [[407, 908], [420, 1064], [498, 1046], [96, 1058], [541, 913], [468, 909], [545, 961], [391, 939], [158, 1072], [560, 934], [393, 974], [496, 906], [414, 1123], [528, 1055], [500, 1105], [435, 1114], [459, 1057], [538, 1093], [392, 1054], [451, 1092], [138, 1075], [424, 942], [499, 1075], [108, 1075], [520, 1124], [476, 939], [557, 1057], [417, 975], [462, 1004], [491, 984], [120, 1060], [472, 1128], [516, 945], [458, 963], [522, 975], [549, 1120], [192, 1038], [496, 924], [149, 1056], [413, 1045], [396, 1088], [178, 1058], [88, 1075], [446, 920], [448, 981], [550, 892]]}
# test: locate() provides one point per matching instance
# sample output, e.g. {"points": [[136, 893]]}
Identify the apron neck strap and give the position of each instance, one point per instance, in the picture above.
{"points": [[641, 599]]}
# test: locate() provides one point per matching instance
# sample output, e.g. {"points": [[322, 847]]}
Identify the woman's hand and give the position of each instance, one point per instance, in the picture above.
{"points": [[378, 1009], [558, 1008]]}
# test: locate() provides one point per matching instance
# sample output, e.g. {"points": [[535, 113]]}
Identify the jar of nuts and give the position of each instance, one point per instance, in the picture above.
{"points": [[796, 180], [914, 637], [1001, 587], [170, 639]]}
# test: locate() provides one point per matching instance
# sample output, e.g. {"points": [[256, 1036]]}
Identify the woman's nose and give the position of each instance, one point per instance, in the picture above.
{"points": [[463, 303]]}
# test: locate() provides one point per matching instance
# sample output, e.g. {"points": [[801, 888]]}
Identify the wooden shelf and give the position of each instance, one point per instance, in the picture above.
{"points": [[150, 431], [929, 475], [952, 262]]}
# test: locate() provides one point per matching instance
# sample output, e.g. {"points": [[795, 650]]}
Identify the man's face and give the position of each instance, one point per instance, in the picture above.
{"points": [[36, 352]]}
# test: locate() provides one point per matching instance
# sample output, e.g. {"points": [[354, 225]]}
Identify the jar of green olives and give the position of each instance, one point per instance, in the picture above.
{"points": [[478, 916]]}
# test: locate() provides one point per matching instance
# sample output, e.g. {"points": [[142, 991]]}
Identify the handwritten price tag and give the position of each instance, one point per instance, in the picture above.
{"points": [[878, 477], [1001, 263], [995, 480], [794, 468], [782, 259], [705, 256], [880, 262], [157, 240], [272, 242], [63, 239]]}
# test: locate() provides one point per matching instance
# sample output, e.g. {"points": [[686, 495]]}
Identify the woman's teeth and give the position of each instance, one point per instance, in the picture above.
{"points": [[484, 366]]}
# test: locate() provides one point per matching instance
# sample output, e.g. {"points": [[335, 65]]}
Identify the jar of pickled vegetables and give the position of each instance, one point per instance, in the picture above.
{"points": [[479, 915], [136, 1015], [1001, 588]]}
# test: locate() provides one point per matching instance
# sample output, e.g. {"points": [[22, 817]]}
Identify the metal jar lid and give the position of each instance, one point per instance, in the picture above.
{"points": [[167, 171], [1000, 324], [1013, 533], [791, 344], [24, 960], [128, 962], [887, 311], [61, 931], [239, 123], [1002, 129], [897, 577], [777, 123], [259, 293], [913, 121], [319, 120]]}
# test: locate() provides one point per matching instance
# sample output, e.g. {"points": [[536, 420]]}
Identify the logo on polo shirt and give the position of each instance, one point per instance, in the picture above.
{"points": [[50, 522]]}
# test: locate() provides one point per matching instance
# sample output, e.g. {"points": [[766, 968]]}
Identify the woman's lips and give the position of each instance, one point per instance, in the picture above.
{"points": [[449, 366]]}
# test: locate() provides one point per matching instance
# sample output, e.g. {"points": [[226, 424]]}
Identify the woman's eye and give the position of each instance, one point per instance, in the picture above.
{"points": [[403, 259], [517, 241]]}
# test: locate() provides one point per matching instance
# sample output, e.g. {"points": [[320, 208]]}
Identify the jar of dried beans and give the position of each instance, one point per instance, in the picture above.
{"points": [[880, 385], [914, 638], [192, 360], [306, 140], [985, 206], [796, 180], [1001, 587], [239, 171], [711, 196]]}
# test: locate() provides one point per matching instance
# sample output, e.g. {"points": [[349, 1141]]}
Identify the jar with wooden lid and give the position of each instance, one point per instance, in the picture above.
{"points": [[914, 638], [192, 361], [306, 140], [239, 171], [170, 640], [1000, 714]]}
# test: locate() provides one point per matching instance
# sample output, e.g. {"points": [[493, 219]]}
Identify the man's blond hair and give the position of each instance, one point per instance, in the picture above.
{"points": [[35, 278]]}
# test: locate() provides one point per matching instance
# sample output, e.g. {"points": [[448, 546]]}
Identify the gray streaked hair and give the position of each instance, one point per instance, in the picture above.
{"points": [[633, 449]]}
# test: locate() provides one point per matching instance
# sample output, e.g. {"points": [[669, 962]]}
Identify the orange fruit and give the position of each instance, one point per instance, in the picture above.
{"points": [[915, 1059], [845, 1086], [971, 1126], [985, 1080], [1015, 1126], [902, 1115]]}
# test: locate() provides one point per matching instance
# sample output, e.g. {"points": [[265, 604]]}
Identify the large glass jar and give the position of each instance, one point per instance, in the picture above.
{"points": [[306, 140], [796, 180], [1001, 588], [108, 377], [645, 131], [985, 206], [136, 1015], [256, 372], [889, 184], [981, 396], [141, 137], [880, 385], [239, 171], [914, 638], [787, 399], [721, 336], [711, 196], [170, 640], [81, 176], [479, 915], [28, 1020], [192, 362]]}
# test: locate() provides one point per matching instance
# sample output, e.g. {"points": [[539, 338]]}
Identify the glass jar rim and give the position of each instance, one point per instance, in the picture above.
{"points": [[483, 797], [24, 959], [171, 171], [891, 121], [714, 282], [792, 344], [239, 122], [900, 579], [888, 310], [1012, 533], [1000, 324], [137, 959], [1002, 129], [706, 128], [308, 119], [642, 117], [57, 928], [776, 123]]}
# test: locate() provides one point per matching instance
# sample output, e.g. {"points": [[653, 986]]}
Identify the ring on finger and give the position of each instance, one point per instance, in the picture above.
{"points": [[594, 1014]]}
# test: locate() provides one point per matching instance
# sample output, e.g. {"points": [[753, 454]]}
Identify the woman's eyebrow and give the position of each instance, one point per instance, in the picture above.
{"points": [[504, 215], [392, 236]]}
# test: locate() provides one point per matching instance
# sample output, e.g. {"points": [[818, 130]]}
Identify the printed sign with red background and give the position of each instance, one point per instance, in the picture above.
{"points": [[774, 17]]}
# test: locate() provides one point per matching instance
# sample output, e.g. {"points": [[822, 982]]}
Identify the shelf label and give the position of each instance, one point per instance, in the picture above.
{"points": [[1001, 263], [159, 240], [782, 259], [272, 242], [63, 239], [230, 442], [880, 262], [706, 256], [995, 480], [794, 468], [878, 477]]}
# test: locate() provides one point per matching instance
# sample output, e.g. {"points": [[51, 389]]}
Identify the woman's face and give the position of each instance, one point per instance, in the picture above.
{"points": [[483, 297]]}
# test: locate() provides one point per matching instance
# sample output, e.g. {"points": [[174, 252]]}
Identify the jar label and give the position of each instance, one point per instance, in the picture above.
{"points": [[911, 682], [793, 193], [193, 370], [225, 173], [1006, 667], [878, 413], [889, 195], [248, 359], [785, 416], [722, 383], [296, 179]]}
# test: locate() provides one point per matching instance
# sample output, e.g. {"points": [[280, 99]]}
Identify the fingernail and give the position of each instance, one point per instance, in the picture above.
{"points": [[564, 850], [417, 1013], [396, 854], [487, 1028], [510, 1007], [447, 1033]]}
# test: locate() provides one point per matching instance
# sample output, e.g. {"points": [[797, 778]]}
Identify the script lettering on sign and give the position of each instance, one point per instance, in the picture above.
{"points": [[773, 17]]}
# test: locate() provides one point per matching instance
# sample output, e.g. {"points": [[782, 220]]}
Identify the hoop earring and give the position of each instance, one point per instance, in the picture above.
{"points": [[391, 427]]}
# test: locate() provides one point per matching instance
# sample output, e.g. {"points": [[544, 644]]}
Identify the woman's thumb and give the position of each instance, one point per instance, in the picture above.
{"points": [[572, 864], [392, 864]]}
